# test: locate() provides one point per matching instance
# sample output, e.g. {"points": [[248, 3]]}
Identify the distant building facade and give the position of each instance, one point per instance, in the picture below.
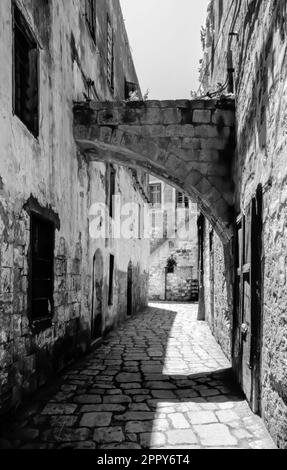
{"points": [[174, 249]]}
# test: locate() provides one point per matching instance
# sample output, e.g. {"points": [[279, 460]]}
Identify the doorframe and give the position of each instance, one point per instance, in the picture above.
{"points": [[256, 279]]}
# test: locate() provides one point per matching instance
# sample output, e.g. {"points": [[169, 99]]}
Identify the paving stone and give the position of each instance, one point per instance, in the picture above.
{"points": [[65, 421], [59, 409], [160, 385], [88, 399], [141, 398], [135, 416], [148, 440], [102, 408], [226, 416], [215, 435], [91, 420], [66, 435], [178, 421], [107, 435], [138, 407], [117, 399], [129, 386], [165, 394], [139, 427], [124, 446], [128, 378], [181, 437], [201, 417], [187, 393]]}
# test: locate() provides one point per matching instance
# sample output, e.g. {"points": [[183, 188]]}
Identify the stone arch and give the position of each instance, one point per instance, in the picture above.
{"points": [[97, 320], [188, 144]]}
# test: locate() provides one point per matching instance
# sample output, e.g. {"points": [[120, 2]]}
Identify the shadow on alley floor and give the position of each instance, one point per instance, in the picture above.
{"points": [[160, 381]]}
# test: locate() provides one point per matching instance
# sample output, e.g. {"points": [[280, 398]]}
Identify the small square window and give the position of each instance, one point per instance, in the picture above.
{"points": [[25, 84]]}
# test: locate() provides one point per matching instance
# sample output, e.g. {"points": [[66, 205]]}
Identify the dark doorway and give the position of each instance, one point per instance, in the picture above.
{"points": [[97, 305], [248, 299], [130, 290]]}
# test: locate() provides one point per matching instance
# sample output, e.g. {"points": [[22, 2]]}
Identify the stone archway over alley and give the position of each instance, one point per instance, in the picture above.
{"points": [[189, 144], [161, 381]]}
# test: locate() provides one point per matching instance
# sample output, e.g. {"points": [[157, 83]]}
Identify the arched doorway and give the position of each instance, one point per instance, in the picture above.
{"points": [[130, 290], [97, 303]]}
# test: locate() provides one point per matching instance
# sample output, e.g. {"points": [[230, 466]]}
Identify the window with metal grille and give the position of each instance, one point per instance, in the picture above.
{"points": [[155, 195], [182, 200], [25, 73], [110, 54], [111, 280], [42, 265], [91, 16]]}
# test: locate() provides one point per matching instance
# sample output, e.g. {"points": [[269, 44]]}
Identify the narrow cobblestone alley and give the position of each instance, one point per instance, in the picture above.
{"points": [[160, 381]]}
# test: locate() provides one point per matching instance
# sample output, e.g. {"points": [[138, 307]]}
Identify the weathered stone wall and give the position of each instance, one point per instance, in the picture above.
{"points": [[259, 48], [52, 171], [217, 311]]}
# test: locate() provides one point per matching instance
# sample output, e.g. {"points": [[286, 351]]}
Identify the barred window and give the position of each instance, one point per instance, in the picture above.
{"points": [[42, 268], [182, 201], [110, 54], [25, 83]]}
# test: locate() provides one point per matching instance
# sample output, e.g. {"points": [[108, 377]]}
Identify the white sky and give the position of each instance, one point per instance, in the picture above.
{"points": [[164, 36]]}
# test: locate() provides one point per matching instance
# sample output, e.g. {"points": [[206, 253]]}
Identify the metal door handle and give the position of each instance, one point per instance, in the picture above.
{"points": [[244, 329]]}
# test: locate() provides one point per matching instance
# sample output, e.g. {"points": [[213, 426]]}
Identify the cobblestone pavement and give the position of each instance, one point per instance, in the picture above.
{"points": [[160, 381]]}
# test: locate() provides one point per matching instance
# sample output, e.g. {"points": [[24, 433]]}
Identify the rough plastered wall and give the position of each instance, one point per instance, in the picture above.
{"points": [[50, 172], [217, 311], [132, 250], [259, 48]]}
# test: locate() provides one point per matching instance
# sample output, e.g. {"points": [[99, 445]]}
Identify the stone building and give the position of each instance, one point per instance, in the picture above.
{"points": [[245, 54], [173, 273], [60, 288]]}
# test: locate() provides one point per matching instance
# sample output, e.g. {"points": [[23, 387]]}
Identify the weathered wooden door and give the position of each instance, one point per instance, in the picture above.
{"points": [[97, 306], [247, 339]]}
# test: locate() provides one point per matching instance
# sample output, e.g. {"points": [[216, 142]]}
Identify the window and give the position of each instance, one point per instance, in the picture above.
{"points": [[110, 54], [25, 83], [112, 189], [91, 16], [155, 194], [111, 280], [182, 200], [42, 265]]}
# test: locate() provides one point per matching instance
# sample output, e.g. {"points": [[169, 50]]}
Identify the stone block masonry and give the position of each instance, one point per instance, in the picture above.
{"points": [[260, 76], [188, 144]]}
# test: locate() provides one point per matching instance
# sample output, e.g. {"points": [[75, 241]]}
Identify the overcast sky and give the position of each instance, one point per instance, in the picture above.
{"points": [[165, 40]]}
